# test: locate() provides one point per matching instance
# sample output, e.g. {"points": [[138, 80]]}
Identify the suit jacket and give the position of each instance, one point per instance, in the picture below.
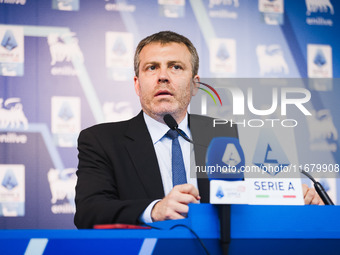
{"points": [[118, 172]]}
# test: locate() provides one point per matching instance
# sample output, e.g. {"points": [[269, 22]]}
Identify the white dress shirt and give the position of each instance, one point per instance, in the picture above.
{"points": [[162, 145]]}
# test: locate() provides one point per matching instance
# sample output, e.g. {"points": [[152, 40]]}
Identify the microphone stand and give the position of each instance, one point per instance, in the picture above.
{"points": [[224, 215], [223, 210]]}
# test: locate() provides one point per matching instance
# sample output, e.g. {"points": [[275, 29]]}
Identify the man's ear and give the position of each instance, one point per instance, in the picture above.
{"points": [[196, 85], [137, 85]]}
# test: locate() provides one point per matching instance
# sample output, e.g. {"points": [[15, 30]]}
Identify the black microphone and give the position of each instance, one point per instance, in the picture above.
{"points": [[172, 124], [319, 189]]}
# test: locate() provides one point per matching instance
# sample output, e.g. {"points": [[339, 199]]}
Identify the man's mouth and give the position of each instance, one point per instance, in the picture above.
{"points": [[163, 93]]}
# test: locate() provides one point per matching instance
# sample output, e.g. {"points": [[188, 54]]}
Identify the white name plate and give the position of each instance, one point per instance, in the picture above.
{"points": [[275, 191], [257, 191]]}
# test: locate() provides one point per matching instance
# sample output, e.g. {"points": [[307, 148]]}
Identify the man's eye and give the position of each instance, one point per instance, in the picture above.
{"points": [[177, 67], [151, 68]]}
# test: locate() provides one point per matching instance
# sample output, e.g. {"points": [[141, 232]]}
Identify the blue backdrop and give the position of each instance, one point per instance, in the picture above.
{"points": [[67, 65]]}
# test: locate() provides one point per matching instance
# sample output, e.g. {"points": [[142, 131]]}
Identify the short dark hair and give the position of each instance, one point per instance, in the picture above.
{"points": [[165, 37]]}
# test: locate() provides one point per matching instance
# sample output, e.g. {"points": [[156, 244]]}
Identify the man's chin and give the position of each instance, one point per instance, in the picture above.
{"points": [[160, 113], [163, 113], [159, 110], [165, 108], [177, 114]]}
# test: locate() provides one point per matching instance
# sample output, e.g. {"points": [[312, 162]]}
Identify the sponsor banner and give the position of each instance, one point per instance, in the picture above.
{"points": [[171, 8], [223, 9], [11, 50], [12, 115], [13, 138], [319, 12], [323, 135], [65, 5], [64, 49], [271, 60], [319, 61], [117, 111], [62, 185], [223, 56], [65, 118], [16, 2], [119, 55], [12, 190], [272, 11], [119, 6], [321, 84]]}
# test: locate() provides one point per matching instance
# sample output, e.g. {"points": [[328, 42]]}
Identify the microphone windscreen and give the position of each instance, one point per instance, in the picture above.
{"points": [[225, 158], [170, 121]]}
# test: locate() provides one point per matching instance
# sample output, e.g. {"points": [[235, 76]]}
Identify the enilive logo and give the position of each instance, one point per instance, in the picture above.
{"points": [[21, 2], [271, 59], [319, 6], [323, 134], [213, 90], [62, 185], [12, 114], [64, 48], [213, 3]]}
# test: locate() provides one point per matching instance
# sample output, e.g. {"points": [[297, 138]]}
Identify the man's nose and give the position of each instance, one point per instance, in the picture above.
{"points": [[163, 75]]}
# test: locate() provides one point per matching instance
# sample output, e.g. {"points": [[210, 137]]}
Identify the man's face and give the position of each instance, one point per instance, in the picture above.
{"points": [[165, 83]]}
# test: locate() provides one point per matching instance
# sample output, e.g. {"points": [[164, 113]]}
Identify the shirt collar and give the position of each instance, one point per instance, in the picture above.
{"points": [[157, 129]]}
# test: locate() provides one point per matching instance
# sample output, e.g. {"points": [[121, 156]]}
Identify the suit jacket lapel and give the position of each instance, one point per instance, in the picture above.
{"points": [[143, 156]]}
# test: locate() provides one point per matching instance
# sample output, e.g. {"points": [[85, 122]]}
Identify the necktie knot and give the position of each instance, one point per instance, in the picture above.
{"points": [[172, 134]]}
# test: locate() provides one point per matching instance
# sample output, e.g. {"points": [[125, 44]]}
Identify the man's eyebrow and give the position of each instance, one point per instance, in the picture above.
{"points": [[151, 63], [170, 62], [176, 62]]}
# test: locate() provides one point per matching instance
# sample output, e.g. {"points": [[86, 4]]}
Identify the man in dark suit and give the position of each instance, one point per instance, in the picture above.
{"points": [[124, 171], [119, 175]]}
